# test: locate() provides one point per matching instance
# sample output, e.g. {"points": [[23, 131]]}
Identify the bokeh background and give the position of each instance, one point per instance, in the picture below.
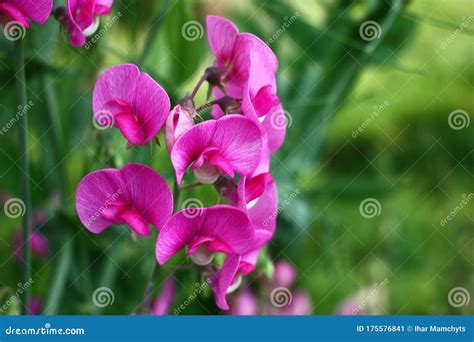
{"points": [[368, 116]]}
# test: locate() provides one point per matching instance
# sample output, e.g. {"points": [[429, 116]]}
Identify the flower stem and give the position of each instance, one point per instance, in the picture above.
{"points": [[24, 163], [198, 85]]}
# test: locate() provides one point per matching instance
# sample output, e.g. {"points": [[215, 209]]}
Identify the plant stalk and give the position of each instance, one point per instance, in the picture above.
{"points": [[24, 172]]}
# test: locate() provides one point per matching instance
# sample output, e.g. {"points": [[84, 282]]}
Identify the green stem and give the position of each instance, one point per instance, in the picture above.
{"points": [[25, 172]]}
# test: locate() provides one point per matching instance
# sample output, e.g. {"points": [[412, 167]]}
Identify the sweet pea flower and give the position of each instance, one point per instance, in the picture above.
{"points": [[135, 195], [38, 244], [160, 305], [81, 18], [232, 143], [22, 11], [220, 228], [178, 122], [232, 50], [132, 101]]}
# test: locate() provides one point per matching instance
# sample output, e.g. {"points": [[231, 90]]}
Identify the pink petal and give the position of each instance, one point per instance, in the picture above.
{"points": [[136, 195], [160, 305], [94, 192], [244, 304], [177, 123], [284, 274], [36, 10], [130, 128], [248, 262], [150, 193], [222, 34], [221, 227], [151, 106], [14, 14], [116, 83], [224, 279]]}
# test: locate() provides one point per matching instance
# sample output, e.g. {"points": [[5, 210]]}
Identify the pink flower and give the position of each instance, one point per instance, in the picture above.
{"points": [[244, 304], [131, 101], [178, 122], [81, 18], [24, 10], [232, 50], [160, 305], [233, 143], [249, 67], [135, 195], [38, 245], [35, 306], [284, 274], [220, 228]]}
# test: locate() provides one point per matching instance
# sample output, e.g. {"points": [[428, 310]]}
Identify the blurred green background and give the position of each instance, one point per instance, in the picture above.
{"points": [[399, 87]]}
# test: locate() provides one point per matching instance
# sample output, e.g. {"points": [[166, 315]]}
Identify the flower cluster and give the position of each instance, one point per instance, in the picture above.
{"points": [[232, 151]]}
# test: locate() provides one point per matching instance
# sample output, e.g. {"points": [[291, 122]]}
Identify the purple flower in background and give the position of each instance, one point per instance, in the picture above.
{"points": [[132, 101], [81, 18], [38, 244], [160, 305], [22, 11], [135, 195]]}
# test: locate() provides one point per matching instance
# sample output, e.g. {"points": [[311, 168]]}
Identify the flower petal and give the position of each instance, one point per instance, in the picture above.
{"points": [[224, 279], [222, 34], [36, 10], [93, 194]]}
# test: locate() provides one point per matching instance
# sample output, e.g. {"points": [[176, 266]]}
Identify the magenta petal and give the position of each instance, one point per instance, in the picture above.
{"points": [[37, 10], [136, 195], [190, 146], [151, 106], [130, 128], [284, 274], [177, 123], [92, 195], [224, 279], [13, 13], [240, 141], [116, 83], [222, 34], [151, 195], [244, 304], [161, 304], [223, 228]]}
